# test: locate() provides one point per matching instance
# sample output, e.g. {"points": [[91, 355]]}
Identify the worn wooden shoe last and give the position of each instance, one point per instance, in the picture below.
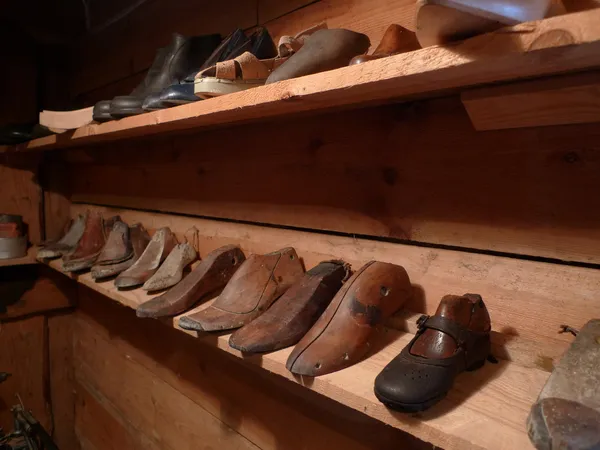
{"points": [[211, 274], [322, 51], [395, 40], [260, 281], [290, 317], [67, 243], [161, 244], [171, 271], [341, 336], [118, 246], [139, 239], [90, 245], [455, 339]]}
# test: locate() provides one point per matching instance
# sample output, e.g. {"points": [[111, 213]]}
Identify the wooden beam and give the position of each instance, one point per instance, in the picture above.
{"points": [[557, 45], [555, 101]]}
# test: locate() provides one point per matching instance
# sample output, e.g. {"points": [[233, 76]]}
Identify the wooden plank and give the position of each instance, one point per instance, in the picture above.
{"points": [[398, 174], [149, 405], [23, 347], [32, 291], [556, 101], [531, 289], [272, 9], [20, 193], [524, 51], [525, 299], [493, 400], [97, 428], [62, 387], [270, 416]]}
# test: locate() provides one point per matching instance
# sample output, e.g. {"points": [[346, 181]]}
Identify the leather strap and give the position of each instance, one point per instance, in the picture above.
{"points": [[461, 335]]}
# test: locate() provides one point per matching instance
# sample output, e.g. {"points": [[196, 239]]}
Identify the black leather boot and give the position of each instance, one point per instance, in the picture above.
{"points": [[259, 44], [171, 64]]}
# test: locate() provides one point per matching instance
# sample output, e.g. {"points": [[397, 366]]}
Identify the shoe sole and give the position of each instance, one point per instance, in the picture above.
{"points": [[408, 407], [125, 112], [209, 87]]}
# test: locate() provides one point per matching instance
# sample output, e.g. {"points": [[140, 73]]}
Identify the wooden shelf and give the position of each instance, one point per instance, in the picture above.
{"points": [[487, 409], [29, 259], [523, 51]]}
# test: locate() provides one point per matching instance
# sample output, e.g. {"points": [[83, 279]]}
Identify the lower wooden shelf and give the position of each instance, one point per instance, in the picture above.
{"points": [[487, 409], [29, 259]]}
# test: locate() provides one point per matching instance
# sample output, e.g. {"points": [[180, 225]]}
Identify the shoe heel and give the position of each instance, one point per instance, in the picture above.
{"points": [[479, 354]]}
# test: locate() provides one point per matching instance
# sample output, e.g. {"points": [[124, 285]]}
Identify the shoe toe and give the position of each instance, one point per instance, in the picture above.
{"points": [[154, 102], [126, 105], [101, 112], [179, 94], [412, 386]]}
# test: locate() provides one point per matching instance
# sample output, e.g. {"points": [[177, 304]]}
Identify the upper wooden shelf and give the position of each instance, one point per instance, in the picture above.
{"points": [[558, 45]]}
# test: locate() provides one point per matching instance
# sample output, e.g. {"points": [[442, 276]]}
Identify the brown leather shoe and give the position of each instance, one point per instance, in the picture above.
{"points": [[260, 281], [161, 244], [118, 245], [211, 274], [290, 317], [323, 50], [457, 338], [341, 336], [139, 239], [171, 271], [67, 243], [90, 245], [396, 40]]}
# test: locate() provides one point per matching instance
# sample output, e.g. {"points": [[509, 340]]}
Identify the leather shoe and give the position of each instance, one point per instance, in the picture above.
{"points": [[170, 65], [455, 339], [259, 44]]}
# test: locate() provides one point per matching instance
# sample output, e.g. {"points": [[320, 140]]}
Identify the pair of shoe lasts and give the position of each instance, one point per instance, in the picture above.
{"points": [[330, 318], [251, 286], [157, 264], [86, 243], [330, 49], [85, 252]]}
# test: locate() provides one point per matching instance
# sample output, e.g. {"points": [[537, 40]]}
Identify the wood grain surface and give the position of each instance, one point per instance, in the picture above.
{"points": [[207, 382], [484, 403], [416, 172], [556, 101]]}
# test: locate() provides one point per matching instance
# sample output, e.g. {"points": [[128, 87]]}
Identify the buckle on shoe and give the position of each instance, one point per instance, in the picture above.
{"points": [[422, 320]]}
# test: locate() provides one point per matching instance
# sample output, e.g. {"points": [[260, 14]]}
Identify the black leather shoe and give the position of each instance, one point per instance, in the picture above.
{"points": [[259, 44], [170, 65], [101, 112], [455, 339]]}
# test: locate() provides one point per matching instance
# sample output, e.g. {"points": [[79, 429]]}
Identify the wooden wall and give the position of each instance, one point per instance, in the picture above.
{"points": [[173, 392], [35, 336], [415, 172]]}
